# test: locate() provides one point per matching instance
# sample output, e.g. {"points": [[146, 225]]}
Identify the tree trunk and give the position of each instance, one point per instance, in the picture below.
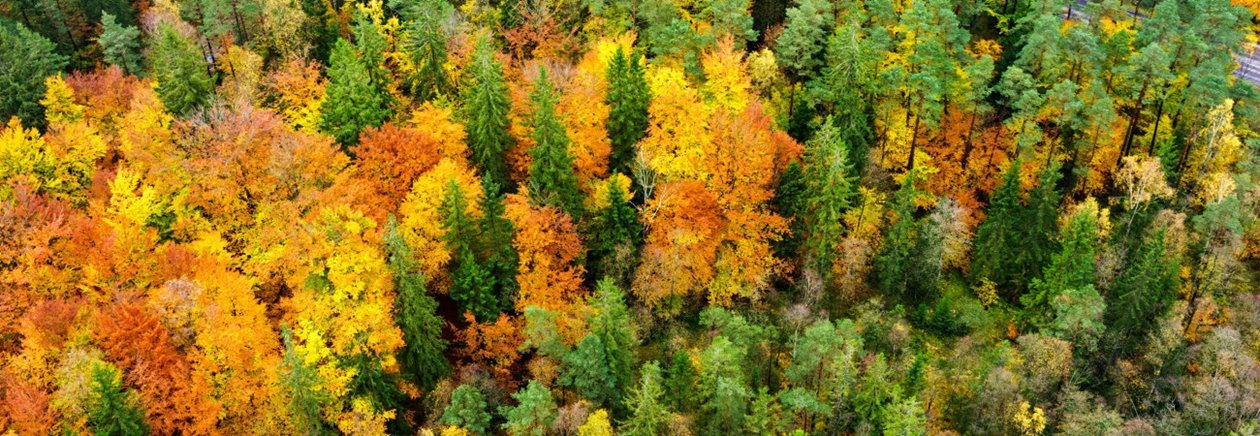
{"points": [[914, 140], [1159, 112]]}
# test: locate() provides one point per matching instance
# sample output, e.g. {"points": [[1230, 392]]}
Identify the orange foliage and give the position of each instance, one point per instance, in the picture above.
{"points": [[494, 345], [390, 158], [547, 242], [684, 224], [26, 407], [133, 338], [583, 113]]}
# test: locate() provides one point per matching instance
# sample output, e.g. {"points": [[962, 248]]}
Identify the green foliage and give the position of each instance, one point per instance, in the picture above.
{"points": [[485, 112], [301, 383], [829, 182], [615, 235], [120, 44], [1071, 268], [472, 285], [680, 383], [612, 324], [534, 412], [467, 410], [415, 312], [180, 70], [649, 415], [801, 46], [1141, 294], [723, 389], [495, 250], [551, 178], [586, 370], [427, 45], [893, 265], [113, 411], [353, 101], [26, 58], [627, 98]]}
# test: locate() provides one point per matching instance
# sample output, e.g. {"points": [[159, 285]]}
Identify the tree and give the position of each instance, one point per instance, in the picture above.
{"points": [[498, 256], [428, 47], [353, 101], [800, 48], [551, 178], [821, 369], [485, 111], [415, 312], [627, 97], [829, 191], [1072, 267], [1141, 295], [113, 411], [586, 370], [723, 390], [681, 383], [301, 383], [26, 59], [597, 424], [120, 44], [613, 230], [467, 410], [611, 323], [534, 412], [998, 235], [894, 263], [471, 284], [180, 71], [648, 413]]}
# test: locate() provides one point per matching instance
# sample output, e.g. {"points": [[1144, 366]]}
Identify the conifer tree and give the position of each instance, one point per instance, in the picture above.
{"points": [[998, 236], [534, 412], [415, 312], [680, 383], [648, 413], [180, 70], [428, 47], [495, 250], [472, 285], [301, 382], [353, 102], [485, 111], [723, 388], [1071, 268], [586, 370], [627, 99], [1141, 294], [893, 264], [615, 235], [551, 178], [467, 410], [113, 411], [120, 44], [26, 59], [612, 324], [827, 177]]}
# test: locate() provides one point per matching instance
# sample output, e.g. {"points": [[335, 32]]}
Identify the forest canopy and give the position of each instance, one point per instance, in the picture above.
{"points": [[637, 217]]}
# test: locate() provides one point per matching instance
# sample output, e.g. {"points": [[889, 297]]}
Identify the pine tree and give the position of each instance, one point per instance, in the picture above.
{"points": [[627, 99], [586, 370], [827, 177], [723, 388], [800, 47], [485, 112], [551, 178], [415, 312], [26, 59], [302, 384], [472, 285], [353, 102], [120, 44], [648, 413], [534, 412], [467, 410], [180, 70], [113, 411]]}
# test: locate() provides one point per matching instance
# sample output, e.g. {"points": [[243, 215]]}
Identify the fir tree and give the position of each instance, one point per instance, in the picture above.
{"points": [[301, 383], [428, 47], [113, 411], [586, 371], [648, 413], [497, 255], [485, 112], [680, 383], [1141, 295], [353, 102], [415, 312], [551, 178], [534, 412], [615, 235], [467, 410], [120, 44], [1071, 268], [627, 99], [893, 264], [180, 70], [472, 285], [997, 238], [829, 190], [612, 324]]}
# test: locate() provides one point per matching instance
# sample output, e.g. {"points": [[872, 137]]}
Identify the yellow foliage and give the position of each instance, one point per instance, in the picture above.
{"points": [[600, 191], [243, 69], [363, 420], [22, 158], [1142, 178], [678, 136], [1218, 150], [451, 430], [986, 292], [58, 102], [726, 84], [863, 220], [420, 222], [584, 114], [439, 123], [1031, 420], [596, 424]]}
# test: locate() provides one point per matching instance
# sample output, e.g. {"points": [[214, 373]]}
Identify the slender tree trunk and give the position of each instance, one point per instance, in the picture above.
{"points": [[1137, 114], [914, 142], [1159, 112]]}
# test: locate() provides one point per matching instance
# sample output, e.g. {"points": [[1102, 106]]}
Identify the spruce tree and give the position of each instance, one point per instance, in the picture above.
{"points": [[829, 190], [415, 312], [893, 263], [496, 253], [120, 44], [353, 102], [680, 383], [1071, 268], [551, 178], [612, 325], [1037, 241], [627, 98], [485, 112], [180, 70], [615, 235], [534, 413], [648, 413], [1141, 295], [472, 286], [113, 411], [301, 384], [428, 47], [997, 238], [586, 370], [467, 410], [789, 201]]}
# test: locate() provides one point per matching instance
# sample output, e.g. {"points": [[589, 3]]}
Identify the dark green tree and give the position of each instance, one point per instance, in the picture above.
{"points": [[415, 312], [614, 235], [627, 98], [551, 178], [301, 383], [427, 28], [496, 253], [180, 70], [829, 191], [120, 44], [1141, 295], [997, 238], [467, 410], [485, 112], [680, 383], [353, 102], [723, 388], [893, 264], [611, 323], [1071, 268], [26, 59], [586, 370], [472, 285], [113, 411]]}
